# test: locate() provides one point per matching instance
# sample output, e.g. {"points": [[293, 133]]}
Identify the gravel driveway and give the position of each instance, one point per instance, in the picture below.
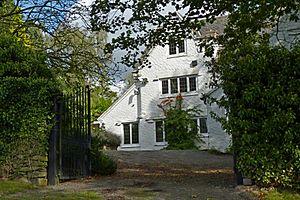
{"points": [[165, 175], [186, 158]]}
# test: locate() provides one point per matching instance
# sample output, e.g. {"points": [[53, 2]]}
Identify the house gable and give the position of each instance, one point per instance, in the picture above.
{"points": [[186, 69], [117, 102]]}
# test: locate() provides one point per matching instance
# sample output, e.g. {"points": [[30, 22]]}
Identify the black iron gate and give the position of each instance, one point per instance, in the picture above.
{"points": [[70, 139]]}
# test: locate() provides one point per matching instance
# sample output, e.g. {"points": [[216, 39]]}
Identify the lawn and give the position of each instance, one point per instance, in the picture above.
{"points": [[282, 195], [10, 187], [13, 190]]}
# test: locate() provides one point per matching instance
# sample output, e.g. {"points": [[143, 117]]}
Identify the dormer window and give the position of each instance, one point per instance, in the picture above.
{"points": [[176, 47]]}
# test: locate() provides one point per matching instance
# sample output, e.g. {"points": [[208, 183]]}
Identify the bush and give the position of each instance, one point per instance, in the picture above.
{"points": [[102, 164], [26, 90], [103, 139], [261, 84], [181, 129]]}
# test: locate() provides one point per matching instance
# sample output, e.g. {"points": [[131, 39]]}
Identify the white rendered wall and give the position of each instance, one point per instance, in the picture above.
{"points": [[162, 66], [218, 138]]}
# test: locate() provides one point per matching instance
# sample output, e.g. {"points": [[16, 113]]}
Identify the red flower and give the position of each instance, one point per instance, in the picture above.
{"points": [[179, 97]]}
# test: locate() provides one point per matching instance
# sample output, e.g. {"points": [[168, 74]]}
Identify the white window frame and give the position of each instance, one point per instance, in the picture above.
{"points": [[130, 134], [164, 142], [177, 49], [202, 135], [188, 92]]}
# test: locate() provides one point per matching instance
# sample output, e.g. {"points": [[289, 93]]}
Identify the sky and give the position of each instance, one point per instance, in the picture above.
{"points": [[119, 84]]}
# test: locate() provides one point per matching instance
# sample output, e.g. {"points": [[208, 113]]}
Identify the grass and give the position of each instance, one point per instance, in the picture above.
{"points": [[13, 190], [10, 187], [282, 195], [53, 196]]}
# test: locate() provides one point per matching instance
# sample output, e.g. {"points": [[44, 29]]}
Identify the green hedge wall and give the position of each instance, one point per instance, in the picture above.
{"points": [[262, 88], [26, 92]]}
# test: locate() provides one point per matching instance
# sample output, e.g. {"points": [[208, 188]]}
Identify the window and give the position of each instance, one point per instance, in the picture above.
{"points": [[176, 48], [159, 131], [172, 48], [160, 135], [126, 128], [183, 84], [165, 86], [181, 48], [201, 124], [192, 81], [131, 133], [176, 85]]}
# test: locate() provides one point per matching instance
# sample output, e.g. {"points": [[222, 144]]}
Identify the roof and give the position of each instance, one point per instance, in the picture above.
{"points": [[210, 29], [213, 90], [130, 89]]}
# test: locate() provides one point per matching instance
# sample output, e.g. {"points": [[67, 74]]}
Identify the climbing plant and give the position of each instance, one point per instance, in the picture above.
{"points": [[180, 126]]}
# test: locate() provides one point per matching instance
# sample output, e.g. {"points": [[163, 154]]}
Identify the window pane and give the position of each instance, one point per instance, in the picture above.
{"points": [[194, 126], [174, 86], [203, 125], [172, 48], [135, 133], [126, 128], [183, 84], [165, 87], [192, 81], [159, 131], [181, 48], [166, 135]]}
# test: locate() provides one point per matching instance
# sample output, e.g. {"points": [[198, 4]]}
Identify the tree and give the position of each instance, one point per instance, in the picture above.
{"points": [[12, 26], [101, 99], [76, 55], [60, 29], [45, 15], [137, 21], [262, 97], [260, 82]]}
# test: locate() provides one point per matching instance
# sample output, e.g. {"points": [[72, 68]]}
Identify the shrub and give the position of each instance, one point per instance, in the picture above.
{"points": [[181, 129], [101, 138], [26, 90], [261, 84], [102, 164]]}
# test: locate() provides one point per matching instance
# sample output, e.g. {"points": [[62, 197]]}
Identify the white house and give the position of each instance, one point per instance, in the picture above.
{"points": [[175, 68]]}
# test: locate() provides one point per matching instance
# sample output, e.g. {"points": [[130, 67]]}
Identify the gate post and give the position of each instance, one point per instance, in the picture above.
{"points": [[237, 172], [52, 157], [89, 167]]}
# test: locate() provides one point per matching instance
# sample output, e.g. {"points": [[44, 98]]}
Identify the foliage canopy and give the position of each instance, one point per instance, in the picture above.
{"points": [[136, 22]]}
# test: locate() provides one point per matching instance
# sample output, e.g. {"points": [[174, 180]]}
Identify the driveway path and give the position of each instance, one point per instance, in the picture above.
{"points": [[166, 175]]}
